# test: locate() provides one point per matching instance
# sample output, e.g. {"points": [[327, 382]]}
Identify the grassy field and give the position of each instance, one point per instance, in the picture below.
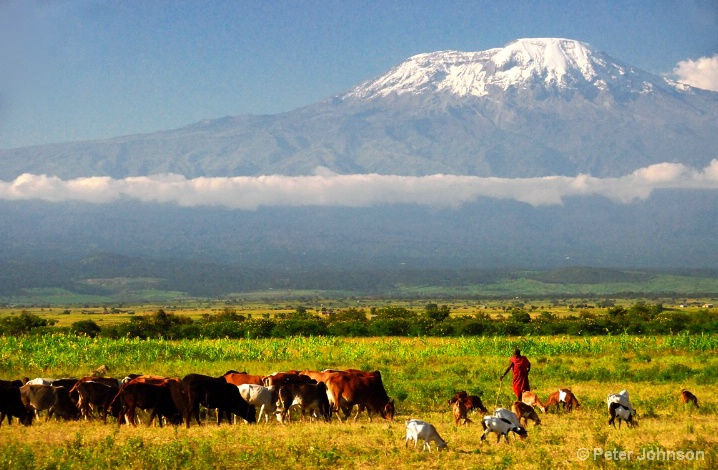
{"points": [[419, 373], [574, 282], [64, 315]]}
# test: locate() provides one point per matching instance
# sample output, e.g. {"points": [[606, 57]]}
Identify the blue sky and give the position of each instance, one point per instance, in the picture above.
{"points": [[79, 70]]}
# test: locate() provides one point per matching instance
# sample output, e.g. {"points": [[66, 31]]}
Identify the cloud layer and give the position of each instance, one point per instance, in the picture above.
{"points": [[326, 189], [701, 73]]}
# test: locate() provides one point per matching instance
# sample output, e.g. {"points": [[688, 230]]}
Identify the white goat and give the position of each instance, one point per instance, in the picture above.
{"points": [[417, 429], [619, 406], [501, 423]]}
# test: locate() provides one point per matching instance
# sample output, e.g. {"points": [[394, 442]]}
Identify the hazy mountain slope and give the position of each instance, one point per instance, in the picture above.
{"points": [[535, 107]]}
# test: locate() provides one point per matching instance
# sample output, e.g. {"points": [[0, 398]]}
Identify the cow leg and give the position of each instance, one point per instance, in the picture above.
{"points": [[130, 416], [356, 416]]}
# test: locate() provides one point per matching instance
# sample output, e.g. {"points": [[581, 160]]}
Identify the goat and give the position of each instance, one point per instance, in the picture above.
{"points": [[620, 407], [531, 399], [471, 402], [688, 397], [564, 398], [459, 410], [525, 412], [417, 429], [501, 423]]}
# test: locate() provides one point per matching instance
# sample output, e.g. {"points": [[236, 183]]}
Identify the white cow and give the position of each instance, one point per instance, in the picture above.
{"points": [[417, 429], [264, 398], [619, 406]]}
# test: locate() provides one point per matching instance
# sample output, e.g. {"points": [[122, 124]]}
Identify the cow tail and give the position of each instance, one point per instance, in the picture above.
{"points": [[119, 394]]}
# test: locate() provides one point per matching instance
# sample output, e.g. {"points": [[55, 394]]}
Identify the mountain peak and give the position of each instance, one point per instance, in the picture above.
{"points": [[557, 64]]}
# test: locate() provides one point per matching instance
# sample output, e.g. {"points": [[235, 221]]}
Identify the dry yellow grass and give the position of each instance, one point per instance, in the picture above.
{"points": [[556, 443]]}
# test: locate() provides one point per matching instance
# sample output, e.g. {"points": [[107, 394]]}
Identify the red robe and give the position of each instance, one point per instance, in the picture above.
{"points": [[521, 375]]}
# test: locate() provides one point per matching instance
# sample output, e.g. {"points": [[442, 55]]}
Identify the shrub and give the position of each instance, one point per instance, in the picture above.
{"points": [[348, 328], [22, 324], [287, 328], [436, 313], [520, 316], [389, 327], [475, 328], [86, 327]]}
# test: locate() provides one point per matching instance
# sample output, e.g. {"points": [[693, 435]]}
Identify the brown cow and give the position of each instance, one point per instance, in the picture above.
{"points": [[144, 395], [688, 397], [278, 379], [363, 389], [324, 376], [226, 399], [471, 402], [239, 378], [11, 405], [525, 412], [177, 392], [195, 385], [96, 395], [46, 397], [564, 398], [13, 383]]}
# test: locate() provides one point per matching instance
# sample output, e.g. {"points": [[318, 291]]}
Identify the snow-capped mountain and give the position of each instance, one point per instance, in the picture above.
{"points": [[535, 107], [557, 64]]}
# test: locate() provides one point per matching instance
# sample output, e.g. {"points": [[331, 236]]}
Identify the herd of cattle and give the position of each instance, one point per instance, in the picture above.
{"points": [[320, 394]]}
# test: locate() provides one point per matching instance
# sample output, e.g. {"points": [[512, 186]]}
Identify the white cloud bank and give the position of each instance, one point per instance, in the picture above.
{"points": [[326, 189], [701, 73]]}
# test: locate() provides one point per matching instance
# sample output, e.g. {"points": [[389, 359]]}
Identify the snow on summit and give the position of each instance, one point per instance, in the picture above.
{"points": [[549, 62]]}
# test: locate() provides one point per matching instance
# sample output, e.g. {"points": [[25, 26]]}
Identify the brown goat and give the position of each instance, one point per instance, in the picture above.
{"points": [[531, 399], [525, 412], [459, 410], [564, 398], [688, 397], [471, 402]]}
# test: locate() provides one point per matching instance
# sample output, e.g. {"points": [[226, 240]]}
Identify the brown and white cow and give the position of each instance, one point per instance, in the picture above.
{"points": [[259, 396]]}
